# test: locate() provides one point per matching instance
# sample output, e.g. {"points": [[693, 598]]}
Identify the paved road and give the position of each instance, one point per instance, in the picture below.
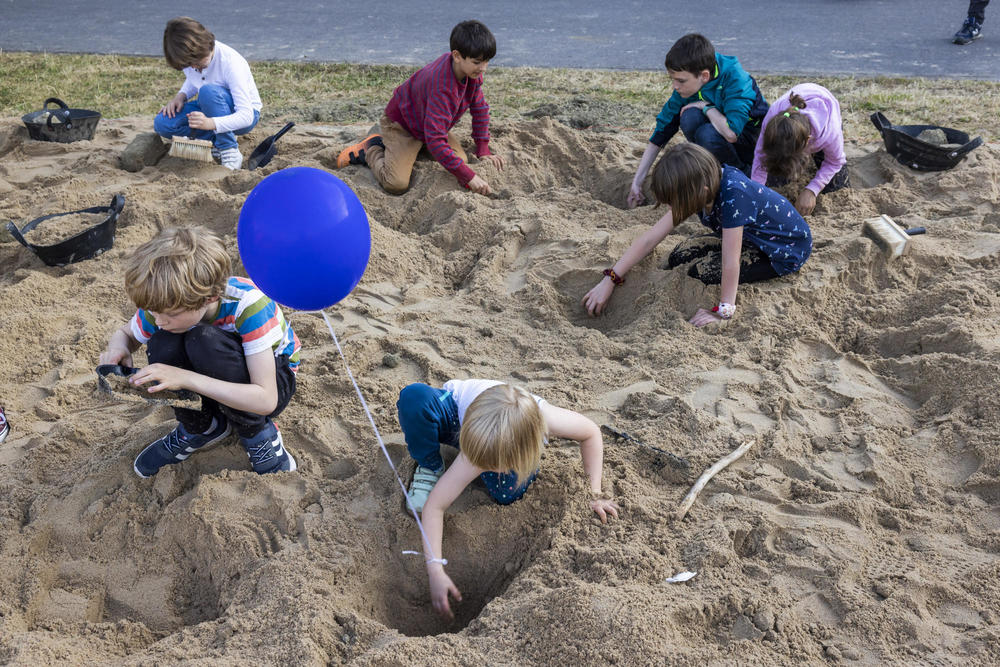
{"points": [[894, 37]]}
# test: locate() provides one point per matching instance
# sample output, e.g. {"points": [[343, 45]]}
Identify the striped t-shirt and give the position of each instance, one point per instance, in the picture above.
{"points": [[247, 311], [428, 105]]}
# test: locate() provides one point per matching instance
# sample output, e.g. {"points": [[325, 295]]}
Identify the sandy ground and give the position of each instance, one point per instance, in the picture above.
{"points": [[863, 526]]}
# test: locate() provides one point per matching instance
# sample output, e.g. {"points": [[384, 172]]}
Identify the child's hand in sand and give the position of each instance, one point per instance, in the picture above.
{"points": [[635, 196], [604, 507], [200, 121], [116, 355], [495, 160], [441, 586], [166, 377], [597, 298], [703, 317], [479, 186], [806, 202]]}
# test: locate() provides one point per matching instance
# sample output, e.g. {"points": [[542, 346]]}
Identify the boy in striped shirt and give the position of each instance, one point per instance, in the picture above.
{"points": [[425, 109], [211, 333]]}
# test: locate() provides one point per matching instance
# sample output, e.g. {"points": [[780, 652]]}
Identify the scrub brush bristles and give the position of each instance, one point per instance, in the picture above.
{"points": [[191, 149]]}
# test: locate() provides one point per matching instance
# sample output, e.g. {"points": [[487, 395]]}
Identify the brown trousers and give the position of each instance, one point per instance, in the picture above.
{"points": [[393, 164]]}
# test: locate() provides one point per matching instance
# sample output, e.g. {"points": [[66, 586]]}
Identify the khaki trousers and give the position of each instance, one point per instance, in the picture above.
{"points": [[393, 165]]}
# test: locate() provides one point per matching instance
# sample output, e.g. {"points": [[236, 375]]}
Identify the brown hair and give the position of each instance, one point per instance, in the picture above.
{"points": [[186, 42], [691, 53], [786, 141], [503, 430], [686, 179], [179, 269]]}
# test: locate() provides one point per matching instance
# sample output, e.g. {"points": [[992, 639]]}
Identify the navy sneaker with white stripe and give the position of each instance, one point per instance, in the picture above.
{"points": [[267, 451], [176, 446]]}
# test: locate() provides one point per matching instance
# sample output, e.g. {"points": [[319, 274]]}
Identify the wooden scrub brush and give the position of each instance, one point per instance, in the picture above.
{"points": [[889, 235], [191, 149]]}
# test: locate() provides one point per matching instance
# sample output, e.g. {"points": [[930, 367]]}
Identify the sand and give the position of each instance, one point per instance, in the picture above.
{"points": [[863, 526]]}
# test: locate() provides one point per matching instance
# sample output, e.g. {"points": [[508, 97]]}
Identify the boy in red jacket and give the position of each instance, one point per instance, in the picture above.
{"points": [[425, 109]]}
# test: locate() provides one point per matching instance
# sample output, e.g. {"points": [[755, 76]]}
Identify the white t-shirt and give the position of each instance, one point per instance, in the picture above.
{"points": [[466, 391], [230, 70]]}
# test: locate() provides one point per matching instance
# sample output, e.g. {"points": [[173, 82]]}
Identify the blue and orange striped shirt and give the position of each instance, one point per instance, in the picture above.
{"points": [[431, 102], [247, 311]]}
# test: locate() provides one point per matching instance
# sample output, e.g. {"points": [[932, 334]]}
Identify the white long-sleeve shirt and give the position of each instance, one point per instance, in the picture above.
{"points": [[230, 70]]}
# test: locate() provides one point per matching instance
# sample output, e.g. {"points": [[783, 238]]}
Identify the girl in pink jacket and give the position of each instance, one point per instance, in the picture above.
{"points": [[805, 122]]}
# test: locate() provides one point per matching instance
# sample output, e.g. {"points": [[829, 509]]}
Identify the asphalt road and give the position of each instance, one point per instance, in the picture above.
{"points": [[891, 37]]}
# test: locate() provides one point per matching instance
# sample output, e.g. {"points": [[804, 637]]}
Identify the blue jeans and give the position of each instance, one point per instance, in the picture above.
{"points": [[213, 101], [699, 130], [429, 417]]}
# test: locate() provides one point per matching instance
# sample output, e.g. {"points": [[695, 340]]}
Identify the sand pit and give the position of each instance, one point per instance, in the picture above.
{"points": [[863, 526]]}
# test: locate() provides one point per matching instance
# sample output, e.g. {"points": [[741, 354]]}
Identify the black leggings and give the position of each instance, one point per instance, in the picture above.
{"points": [[219, 354], [977, 9], [705, 251]]}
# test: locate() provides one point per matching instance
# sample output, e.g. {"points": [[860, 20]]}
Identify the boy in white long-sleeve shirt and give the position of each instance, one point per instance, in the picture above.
{"points": [[219, 98]]}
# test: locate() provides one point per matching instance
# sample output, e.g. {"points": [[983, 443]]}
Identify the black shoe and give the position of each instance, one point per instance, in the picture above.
{"points": [[970, 32]]}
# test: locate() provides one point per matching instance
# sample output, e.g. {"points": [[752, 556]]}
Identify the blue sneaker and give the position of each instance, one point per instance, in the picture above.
{"points": [[970, 31], [176, 446], [267, 451]]}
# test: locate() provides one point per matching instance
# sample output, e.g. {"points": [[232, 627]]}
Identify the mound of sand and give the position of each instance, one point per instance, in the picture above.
{"points": [[862, 526]]}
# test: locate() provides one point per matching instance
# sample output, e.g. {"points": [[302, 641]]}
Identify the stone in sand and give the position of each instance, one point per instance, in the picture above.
{"points": [[146, 149], [933, 136]]}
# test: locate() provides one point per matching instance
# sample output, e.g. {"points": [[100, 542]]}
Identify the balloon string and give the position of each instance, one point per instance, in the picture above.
{"points": [[378, 436]]}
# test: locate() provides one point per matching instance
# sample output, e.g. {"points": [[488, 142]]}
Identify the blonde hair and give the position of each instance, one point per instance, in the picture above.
{"points": [[686, 179], [179, 269], [186, 42], [503, 430]]}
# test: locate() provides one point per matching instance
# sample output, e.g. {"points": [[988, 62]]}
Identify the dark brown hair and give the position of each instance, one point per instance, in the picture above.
{"points": [[786, 141], [691, 53], [686, 179], [186, 42]]}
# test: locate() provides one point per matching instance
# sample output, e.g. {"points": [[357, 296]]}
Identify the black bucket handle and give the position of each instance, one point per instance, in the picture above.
{"points": [[114, 209], [880, 122], [63, 111], [971, 146]]}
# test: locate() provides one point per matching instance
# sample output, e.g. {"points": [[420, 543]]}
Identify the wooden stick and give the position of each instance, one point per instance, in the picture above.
{"points": [[707, 475]]}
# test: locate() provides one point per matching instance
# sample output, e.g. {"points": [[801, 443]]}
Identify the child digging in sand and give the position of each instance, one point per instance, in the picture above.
{"points": [[756, 233], [211, 333], [425, 109], [803, 123], [219, 98], [715, 103], [499, 429]]}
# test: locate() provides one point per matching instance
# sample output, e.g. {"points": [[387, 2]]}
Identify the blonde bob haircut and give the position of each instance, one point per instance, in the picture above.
{"points": [[181, 268], [686, 179], [503, 430], [186, 42]]}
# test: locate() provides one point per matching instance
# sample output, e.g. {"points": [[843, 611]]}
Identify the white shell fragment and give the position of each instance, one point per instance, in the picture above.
{"points": [[679, 577]]}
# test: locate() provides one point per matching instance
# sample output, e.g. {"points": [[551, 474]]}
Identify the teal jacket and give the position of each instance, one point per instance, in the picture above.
{"points": [[730, 90]]}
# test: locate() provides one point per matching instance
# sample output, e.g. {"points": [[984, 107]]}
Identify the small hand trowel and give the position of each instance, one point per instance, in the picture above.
{"points": [[263, 153]]}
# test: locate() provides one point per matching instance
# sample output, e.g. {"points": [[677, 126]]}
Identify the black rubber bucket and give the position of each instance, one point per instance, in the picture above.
{"points": [[901, 142], [61, 123], [88, 243]]}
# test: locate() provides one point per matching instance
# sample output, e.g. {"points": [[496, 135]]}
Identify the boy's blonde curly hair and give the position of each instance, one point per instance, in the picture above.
{"points": [[503, 430], [186, 42], [179, 269]]}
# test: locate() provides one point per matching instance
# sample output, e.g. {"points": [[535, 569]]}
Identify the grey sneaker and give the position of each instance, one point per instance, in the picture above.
{"points": [[424, 480], [231, 158]]}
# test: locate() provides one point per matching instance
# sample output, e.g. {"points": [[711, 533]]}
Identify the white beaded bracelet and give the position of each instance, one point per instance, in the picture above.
{"points": [[725, 310]]}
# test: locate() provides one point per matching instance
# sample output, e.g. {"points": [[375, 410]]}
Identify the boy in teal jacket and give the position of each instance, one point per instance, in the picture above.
{"points": [[715, 103]]}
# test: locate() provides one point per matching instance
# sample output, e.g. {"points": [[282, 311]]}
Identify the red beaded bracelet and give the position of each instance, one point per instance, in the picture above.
{"points": [[615, 278]]}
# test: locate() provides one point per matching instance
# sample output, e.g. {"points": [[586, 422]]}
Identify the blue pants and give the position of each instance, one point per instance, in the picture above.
{"points": [[429, 417], [213, 101], [699, 130]]}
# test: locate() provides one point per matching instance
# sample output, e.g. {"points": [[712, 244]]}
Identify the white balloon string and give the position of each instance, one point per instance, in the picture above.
{"points": [[429, 552]]}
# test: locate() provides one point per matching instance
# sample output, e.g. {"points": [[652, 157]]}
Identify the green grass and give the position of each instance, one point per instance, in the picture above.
{"points": [[120, 86]]}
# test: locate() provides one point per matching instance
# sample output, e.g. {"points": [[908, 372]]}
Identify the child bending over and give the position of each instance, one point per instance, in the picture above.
{"points": [[756, 233], [211, 333], [219, 98], [804, 123], [499, 430], [425, 109], [715, 103]]}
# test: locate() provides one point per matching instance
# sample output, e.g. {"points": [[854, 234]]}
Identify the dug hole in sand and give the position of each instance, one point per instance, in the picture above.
{"points": [[863, 524]]}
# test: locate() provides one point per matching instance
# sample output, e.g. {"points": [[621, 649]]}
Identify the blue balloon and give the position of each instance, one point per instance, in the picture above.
{"points": [[304, 238]]}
